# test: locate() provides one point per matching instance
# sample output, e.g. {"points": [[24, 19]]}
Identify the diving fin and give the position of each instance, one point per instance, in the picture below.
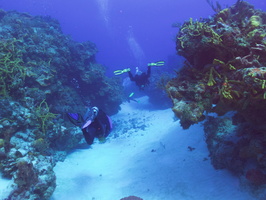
{"points": [[159, 63], [75, 118], [118, 72]]}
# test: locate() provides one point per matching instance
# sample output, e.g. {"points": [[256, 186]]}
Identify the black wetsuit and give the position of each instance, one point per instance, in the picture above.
{"points": [[141, 80], [100, 128]]}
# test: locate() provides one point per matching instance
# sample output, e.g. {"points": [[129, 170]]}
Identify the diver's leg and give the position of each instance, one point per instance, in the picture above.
{"points": [[89, 134], [149, 71], [131, 76]]}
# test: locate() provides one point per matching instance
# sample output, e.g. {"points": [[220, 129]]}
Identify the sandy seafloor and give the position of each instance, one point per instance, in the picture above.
{"points": [[154, 163], [147, 156]]}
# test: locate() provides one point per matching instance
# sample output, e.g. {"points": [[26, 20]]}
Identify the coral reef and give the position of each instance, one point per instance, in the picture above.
{"points": [[225, 63], [225, 71], [31, 172], [43, 75], [223, 144]]}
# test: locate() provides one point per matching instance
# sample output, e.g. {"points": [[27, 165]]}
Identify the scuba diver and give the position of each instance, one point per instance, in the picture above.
{"points": [[141, 78], [94, 124]]}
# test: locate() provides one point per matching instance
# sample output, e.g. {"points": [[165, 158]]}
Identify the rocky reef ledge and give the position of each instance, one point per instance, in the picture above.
{"points": [[225, 71], [43, 75]]}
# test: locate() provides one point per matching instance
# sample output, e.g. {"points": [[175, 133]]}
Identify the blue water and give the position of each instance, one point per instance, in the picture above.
{"points": [[128, 33]]}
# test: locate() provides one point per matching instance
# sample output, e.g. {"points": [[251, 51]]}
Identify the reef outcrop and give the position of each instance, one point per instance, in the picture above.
{"points": [[225, 70], [43, 75]]}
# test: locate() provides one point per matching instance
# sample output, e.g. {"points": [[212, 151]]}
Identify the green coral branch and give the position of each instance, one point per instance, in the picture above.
{"points": [[44, 116], [226, 66], [12, 72], [263, 84], [225, 91], [211, 80], [195, 29]]}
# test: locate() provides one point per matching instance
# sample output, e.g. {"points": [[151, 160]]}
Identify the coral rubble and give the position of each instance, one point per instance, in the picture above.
{"points": [[43, 75], [225, 70]]}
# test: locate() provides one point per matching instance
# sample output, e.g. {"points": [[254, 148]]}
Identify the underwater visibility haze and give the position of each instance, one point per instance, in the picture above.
{"points": [[127, 33], [132, 100]]}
